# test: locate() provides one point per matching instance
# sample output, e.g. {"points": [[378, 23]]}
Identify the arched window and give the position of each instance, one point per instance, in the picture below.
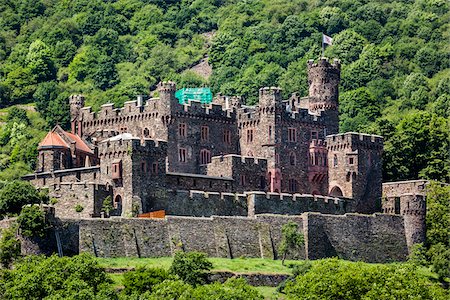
{"points": [[146, 133], [292, 159], [336, 192], [250, 153], [205, 157]]}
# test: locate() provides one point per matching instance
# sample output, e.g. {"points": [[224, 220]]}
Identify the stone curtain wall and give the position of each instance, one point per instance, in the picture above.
{"points": [[371, 238], [206, 204]]}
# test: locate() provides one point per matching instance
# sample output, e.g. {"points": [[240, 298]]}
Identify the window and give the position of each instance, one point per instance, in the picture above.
{"points": [[182, 155], [243, 180], [314, 135], [270, 133], [292, 135], [143, 167], [293, 188], [155, 168], [205, 133], [182, 129], [292, 159], [146, 133], [277, 158], [227, 137], [351, 160], [249, 135], [335, 160], [205, 157]]}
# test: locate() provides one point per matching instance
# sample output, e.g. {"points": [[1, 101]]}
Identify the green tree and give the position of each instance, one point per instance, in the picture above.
{"points": [[335, 279], [32, 222], [39, 61], [291, 239], [191, 267], [16, 194], [78, 277], [143, 279], [9, 247]]}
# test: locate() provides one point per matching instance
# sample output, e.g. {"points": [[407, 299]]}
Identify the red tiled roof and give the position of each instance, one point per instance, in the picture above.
{"points": [[60, 138], [52, 139], [79, 143]]}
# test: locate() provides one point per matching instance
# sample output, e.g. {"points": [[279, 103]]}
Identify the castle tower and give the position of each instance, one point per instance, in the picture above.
{"points": [[413, 209], [76, 103], [269, 134], [323, 81], [166, 90], [354, 169]]}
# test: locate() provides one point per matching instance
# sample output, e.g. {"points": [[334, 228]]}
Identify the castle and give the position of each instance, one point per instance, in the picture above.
{"points": [[227, 159]]}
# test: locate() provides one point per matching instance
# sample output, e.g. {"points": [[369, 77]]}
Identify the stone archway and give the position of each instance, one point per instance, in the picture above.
{"points": [[336, 192], [117, 205]]}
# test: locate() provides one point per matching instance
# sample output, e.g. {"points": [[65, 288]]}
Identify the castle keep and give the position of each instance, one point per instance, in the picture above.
{"points": [[246, 164]]}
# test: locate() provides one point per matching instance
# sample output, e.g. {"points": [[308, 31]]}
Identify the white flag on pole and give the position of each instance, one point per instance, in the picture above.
{"points": [[327, 39]]}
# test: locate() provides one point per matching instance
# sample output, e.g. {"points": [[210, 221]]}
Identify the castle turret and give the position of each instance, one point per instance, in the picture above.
{"points": [[167, 97], [270, 97], [323, 81], [413, 209], [76, 103], [354, 169]]}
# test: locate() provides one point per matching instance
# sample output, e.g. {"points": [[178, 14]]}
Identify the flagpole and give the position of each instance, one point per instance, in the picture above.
{"points": [[323, 46]]}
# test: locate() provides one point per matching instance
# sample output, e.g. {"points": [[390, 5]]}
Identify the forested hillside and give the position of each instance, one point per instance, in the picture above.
{"points": [[395, 64]]}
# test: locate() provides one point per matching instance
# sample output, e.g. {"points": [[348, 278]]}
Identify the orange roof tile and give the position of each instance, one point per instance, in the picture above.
{"points": [[52, 139], [79, 143]]}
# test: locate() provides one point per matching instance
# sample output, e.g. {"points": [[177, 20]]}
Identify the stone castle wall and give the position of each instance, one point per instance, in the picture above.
{"points": [[371, 238], [205, 204]]}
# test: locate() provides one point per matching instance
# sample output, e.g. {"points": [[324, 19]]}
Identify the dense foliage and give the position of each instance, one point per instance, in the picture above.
{"points": [[436, 251], [17, 193], [37, 277], [9, 246], [291, 239], [143, 279], [191, 267], [395, 60], [31, 221], [334, 279], [20, 134]]}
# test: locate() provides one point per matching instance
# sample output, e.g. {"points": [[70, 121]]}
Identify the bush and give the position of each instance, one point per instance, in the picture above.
{"points": [[335, 279], [17, 194], [38, 277], [291, 239], [191, 267], [143, 279], [32, 221], [79, 208], [9, 247]]}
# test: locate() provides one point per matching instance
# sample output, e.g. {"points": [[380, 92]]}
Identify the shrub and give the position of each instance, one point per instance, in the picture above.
{"points": [[291, 239], [32, 221], [17, 194], [143, 279], [191, 267], [335, 279], [107, 205], [9, 247], [38, 277], [79, 208]]}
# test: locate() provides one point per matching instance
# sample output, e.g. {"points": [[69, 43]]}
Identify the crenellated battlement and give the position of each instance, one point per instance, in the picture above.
{"points": [[354, 140], [325, 63], [167, 86], [195, 108], [129, 145]]}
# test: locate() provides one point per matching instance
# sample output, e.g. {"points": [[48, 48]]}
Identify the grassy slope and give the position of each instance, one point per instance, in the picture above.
{"points": [[238, 265]]}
